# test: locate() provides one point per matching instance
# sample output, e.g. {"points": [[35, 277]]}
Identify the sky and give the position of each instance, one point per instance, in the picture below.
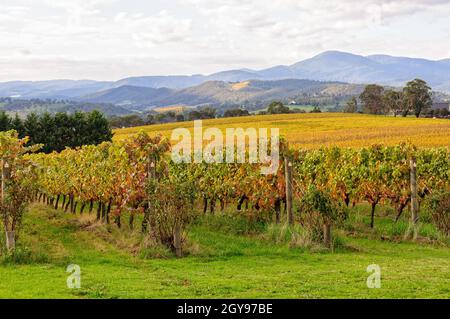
{"points": [[113, 39]]}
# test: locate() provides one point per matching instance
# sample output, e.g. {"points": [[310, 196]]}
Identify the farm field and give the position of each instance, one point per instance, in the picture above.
{"points": [[235, 239], [222, 262], [325, 129]]}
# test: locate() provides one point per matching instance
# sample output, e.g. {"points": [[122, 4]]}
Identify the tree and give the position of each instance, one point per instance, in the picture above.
{"points": [[316, 109], [5, 121], [235, 112], [17, 125], [277, 107], [17, 183], [194, 115], [372, 99], [129, 121], [351, 105], [393, 101], [208, 113], [98, 129], [417, 96], [31, 127]]}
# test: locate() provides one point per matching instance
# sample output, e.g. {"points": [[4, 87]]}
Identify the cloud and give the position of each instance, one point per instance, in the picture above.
{"points": [[154, 30], [89, 38]]}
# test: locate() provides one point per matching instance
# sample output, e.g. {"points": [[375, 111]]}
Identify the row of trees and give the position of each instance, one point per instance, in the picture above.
{"points": [[275, 107], [61, 130], [375, 174], [138, 176], [163, 117], [415, 98]]}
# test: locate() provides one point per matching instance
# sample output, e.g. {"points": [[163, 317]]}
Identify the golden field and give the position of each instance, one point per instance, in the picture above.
{"points": [[326, 129], [173, 108]]}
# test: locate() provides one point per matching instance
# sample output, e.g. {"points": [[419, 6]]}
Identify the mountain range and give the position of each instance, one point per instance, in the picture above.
{"points": [[331, 72]]}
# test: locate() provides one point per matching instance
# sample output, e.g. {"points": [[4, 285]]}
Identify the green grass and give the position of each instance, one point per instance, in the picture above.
{"points": [[222, 263]]}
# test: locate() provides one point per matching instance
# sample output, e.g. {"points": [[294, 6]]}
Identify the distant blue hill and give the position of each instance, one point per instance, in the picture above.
{"points": [[330, 66]]}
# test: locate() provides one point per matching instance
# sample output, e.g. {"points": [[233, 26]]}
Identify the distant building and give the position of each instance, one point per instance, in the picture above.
{"points": [[441, 105]]}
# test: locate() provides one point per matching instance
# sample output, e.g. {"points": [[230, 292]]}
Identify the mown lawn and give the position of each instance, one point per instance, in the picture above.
{"points": [[221, 264]]}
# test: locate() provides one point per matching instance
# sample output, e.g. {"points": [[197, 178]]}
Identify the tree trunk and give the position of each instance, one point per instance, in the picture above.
{"points": [[91, 206], [205, 205], [72, 202], [212, 205], [57, 201], [347, 199], [414, 223], [103, 212], [99, 209], [400, 207], [131, 221], [277, 211], [145, 220], [63, 202], [288, 176], [177, 240], [240, 202], [10, 240], [68, 203], [75, 207], [372, 215], [108, 210], [82, 207], [118, 221], [327, 235]]}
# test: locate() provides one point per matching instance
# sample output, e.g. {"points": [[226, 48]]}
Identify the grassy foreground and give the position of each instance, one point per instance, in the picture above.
{"points": [[325, 129], [221, 264]]}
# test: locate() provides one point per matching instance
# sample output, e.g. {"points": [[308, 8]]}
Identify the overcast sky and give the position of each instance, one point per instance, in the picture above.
{"points": [[112, 39]]}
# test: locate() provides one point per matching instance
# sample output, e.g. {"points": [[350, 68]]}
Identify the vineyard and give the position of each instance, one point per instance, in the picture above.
{"points": [[132, 185], [325, 129]]}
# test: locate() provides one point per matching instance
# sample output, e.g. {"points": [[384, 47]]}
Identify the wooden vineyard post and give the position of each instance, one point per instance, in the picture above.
{"points": [[10, 234], [288, 177], [177, 239], [327, 234], [151, 175], [414, 223], [3, 179]]}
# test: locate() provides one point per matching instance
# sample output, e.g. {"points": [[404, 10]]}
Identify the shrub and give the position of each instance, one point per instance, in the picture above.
{"points": [[171, 200], [439, 206], [319, 212], [22, 256]]}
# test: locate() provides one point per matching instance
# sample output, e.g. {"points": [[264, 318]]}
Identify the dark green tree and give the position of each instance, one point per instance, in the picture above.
{"points": [[417, 96], [276, 107], [5, 121], [372, 99], [351, 106], [235, 113], [17, 125], [31, 127], [393, 101], [48, 134], [98, 129]]}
